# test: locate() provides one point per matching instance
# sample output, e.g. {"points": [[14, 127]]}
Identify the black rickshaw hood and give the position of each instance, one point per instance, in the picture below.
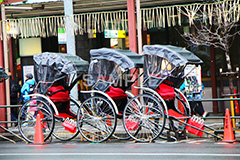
{"points": [[125, 58], [64, 63], [178, 56]]}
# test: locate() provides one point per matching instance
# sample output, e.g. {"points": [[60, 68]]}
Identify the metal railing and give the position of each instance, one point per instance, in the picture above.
{"points": [[7, 130], [202, 100]]}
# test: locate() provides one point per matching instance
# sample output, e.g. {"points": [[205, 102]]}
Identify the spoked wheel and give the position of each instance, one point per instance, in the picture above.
{"points": [[96, 119], [65, 124], [144, 118], [27, 119]]}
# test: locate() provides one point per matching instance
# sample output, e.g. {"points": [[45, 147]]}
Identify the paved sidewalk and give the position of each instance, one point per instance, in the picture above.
{"points": [[212, 121]]}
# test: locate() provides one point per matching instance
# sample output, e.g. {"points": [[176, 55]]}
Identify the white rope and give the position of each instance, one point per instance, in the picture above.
{"points": [[234, 11], [169, 13], [153, 18], [102, 22], [191, 11], [179, 16], [94, 26], [80, 28], [160, 19], [105, 21], [144, 20], [55, 26], [98, 23], [39, 26], [157, 18], [204, 13], [84, 24], [173, 16], [126, 24], [238, 10], [111, 20], [147, 18], [117, 20], [50, 22], [25, 28], [75, 21], [164, 22], [34, 29], [210, 13], [47, 26]]}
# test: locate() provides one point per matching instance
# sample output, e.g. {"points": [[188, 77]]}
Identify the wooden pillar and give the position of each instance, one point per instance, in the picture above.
{"points": [[2, 89], [132, 33]]}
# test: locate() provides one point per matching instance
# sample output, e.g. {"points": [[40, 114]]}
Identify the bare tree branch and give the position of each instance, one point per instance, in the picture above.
{"points": [[214, 26]]}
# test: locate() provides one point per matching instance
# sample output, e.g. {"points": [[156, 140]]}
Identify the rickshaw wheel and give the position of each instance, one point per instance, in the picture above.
{"points": [[144, 118], [62, 133], [96, 119], [27, 119]]}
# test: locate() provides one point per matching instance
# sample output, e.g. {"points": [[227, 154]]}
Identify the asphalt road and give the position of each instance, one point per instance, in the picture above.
{"points": [[192, 149]]}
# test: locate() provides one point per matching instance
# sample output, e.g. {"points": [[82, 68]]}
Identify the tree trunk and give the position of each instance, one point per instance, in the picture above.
{"points": [[229, 67]]}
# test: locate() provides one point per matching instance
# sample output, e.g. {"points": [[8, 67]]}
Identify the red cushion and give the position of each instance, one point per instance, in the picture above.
{"points": [[166, 91], [62, 95], [116, 93]]}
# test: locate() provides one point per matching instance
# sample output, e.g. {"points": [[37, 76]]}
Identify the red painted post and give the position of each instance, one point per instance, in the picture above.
{"points": [[132, 33], [2, 90]]}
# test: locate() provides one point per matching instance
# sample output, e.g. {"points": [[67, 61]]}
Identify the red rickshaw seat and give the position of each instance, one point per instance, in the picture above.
{"points": [[58, 94], [116, 93], [165, 91]]}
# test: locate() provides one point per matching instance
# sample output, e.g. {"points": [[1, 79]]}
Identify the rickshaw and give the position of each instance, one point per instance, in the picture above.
{"points": [[56, 75], [109, 78], [163, 75]]}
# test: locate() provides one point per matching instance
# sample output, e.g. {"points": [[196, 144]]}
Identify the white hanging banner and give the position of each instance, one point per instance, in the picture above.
{"points": [[157, 17], [12, 28]]}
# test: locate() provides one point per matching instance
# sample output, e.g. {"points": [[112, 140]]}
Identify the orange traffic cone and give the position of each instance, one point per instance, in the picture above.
{"points": [[228, 135], [38, 137]]}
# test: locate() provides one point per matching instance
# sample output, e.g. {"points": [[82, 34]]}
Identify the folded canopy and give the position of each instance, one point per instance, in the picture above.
{"points": [[176, 55], [64, 63], [124, 58]]}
